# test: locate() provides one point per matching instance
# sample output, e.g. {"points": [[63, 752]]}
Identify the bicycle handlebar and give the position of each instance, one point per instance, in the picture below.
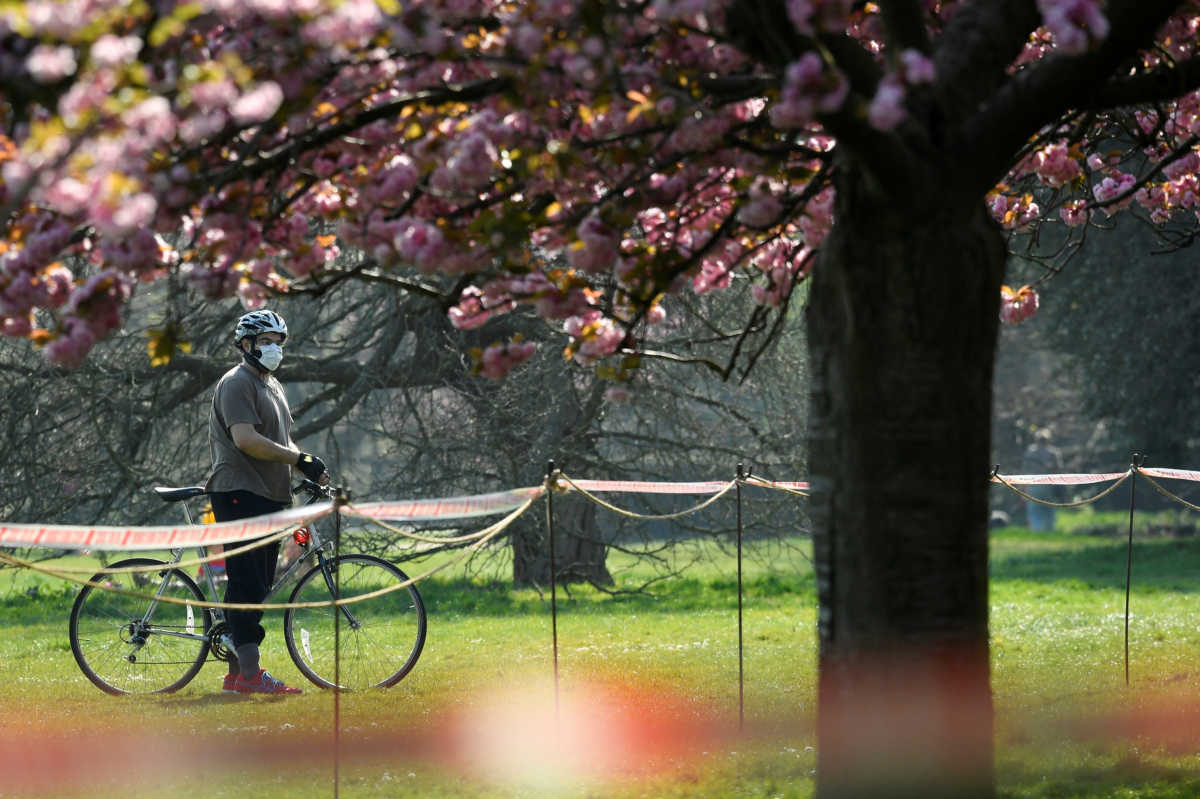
{"points": [[316, 492]]}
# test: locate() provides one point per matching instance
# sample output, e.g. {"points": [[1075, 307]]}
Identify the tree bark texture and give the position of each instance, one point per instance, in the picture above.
{"points": [[579, 548], [902, 328]]}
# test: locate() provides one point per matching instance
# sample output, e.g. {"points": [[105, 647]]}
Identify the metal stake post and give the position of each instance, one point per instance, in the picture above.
{"points": [[550, 473], [1136, 463], [741, 671], [341, 497]]}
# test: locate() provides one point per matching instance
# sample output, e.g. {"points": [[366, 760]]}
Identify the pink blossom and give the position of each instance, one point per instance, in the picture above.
{"points": [[702, 131], [349, 22], [1074, 213], [712, 275], [1014, 213], [468, 167], [258, 104], [474, 309], [211, 95], [1111, 187], [198, 127], [761, 208], [818, 218], [499, 358], [1017, 305], [886, 109], [527, 40], [597, 248], [134, 212], [16, 326], [1075, 24], [1182, 167], [419, 242], [69, 196], [71, 347], [800, 12], [808, 88], [252, 295], [596, 336], [1055, 166], [779, 286], [916, 68], [137, 251], [152, 118], [556, 304], [58, 281], [113, 51], [826, 15], [394, 181], [50, 64]]}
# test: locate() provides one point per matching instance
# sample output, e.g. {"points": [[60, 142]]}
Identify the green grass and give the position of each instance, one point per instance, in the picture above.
{"points": [[667, 662]]}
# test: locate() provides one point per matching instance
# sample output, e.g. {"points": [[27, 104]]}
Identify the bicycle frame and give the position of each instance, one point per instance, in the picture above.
{"points": [[316, 546]]}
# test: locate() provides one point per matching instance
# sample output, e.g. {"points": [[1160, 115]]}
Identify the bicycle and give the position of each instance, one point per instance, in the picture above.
{"points": [[130, 645]]}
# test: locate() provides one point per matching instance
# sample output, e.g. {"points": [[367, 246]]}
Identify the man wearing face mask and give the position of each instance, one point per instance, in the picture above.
{"points": [[249, 433]]}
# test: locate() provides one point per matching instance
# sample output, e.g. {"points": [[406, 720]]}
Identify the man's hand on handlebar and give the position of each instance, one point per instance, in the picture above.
{"points": [[312, 468]]}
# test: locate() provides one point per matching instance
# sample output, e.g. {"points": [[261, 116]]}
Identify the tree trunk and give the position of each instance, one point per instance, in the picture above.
{"points": [[902, 328], [579, 549]]}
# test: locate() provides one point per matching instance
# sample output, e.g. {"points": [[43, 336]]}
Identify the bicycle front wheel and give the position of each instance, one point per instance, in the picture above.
{"points": [[378, 640], [133, 645]]}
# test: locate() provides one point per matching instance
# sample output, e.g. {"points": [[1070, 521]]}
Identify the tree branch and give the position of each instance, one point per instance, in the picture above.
{"points": [[318, 137], [1044, 91]]}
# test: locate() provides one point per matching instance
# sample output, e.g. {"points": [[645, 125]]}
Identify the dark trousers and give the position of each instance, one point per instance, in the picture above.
{"points": [[250, 573]]}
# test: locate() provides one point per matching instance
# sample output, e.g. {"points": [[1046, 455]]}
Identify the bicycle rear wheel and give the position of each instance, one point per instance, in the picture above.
{"points": [[125, 650], [380, 638]]}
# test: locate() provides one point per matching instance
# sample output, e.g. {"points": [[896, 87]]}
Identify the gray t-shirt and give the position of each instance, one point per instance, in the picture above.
{"points": [[241, 397]]}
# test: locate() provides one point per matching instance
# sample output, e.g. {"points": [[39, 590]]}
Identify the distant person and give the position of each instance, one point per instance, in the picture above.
{"points": [[249, 434], [1041, 457]]}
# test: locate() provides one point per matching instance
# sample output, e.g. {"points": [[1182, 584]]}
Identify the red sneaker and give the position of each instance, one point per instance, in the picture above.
{"points": [[229, 686], [262, 683]]}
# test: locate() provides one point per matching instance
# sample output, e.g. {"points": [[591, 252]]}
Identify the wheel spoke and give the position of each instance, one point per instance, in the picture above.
{"points": [[387, 641], [119, 653]]}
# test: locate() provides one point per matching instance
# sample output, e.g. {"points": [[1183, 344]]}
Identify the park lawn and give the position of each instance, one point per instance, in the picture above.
{"points": [[657, 674]]}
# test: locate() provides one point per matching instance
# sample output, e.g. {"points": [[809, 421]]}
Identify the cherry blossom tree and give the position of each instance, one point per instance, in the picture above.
{"points": [[873, 153]]}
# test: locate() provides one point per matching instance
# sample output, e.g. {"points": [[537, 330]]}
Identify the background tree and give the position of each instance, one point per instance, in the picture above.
{"points": [[656, 145]]}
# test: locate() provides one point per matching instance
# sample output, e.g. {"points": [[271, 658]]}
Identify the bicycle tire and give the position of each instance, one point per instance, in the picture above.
{"points": [[378, 653], [103, 622]]}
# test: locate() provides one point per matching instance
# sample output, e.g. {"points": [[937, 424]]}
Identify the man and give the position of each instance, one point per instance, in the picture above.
{"points": [[1041, 457], [249, 434]]}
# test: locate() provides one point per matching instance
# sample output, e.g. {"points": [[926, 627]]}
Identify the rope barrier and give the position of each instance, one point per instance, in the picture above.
{"points": [[28, 535], [492, 531], [1166, 493], [183, 564], [428, 539], [776, 486], [73, 536], [1075, 504], [651, 516]]}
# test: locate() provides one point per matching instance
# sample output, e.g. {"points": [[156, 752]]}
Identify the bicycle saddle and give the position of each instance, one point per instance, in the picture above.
{"points": [[177, 494]]}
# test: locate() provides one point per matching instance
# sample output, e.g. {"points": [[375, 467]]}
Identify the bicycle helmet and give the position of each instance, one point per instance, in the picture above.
{"points": [[256, 322]]}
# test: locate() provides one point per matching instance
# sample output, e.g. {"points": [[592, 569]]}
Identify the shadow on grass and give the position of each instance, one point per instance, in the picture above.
{"points": [[1158, 565], [1131, 776], [679, 595]]}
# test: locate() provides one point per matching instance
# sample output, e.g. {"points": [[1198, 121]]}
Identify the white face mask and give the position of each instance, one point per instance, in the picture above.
{"points": [[270, 356]]}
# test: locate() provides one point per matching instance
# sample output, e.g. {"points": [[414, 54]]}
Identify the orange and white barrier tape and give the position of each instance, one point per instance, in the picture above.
{"points": [[1057, 479], [1171, 474], [108, 537], [651, 488], [423, 510], [73, 536]]}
